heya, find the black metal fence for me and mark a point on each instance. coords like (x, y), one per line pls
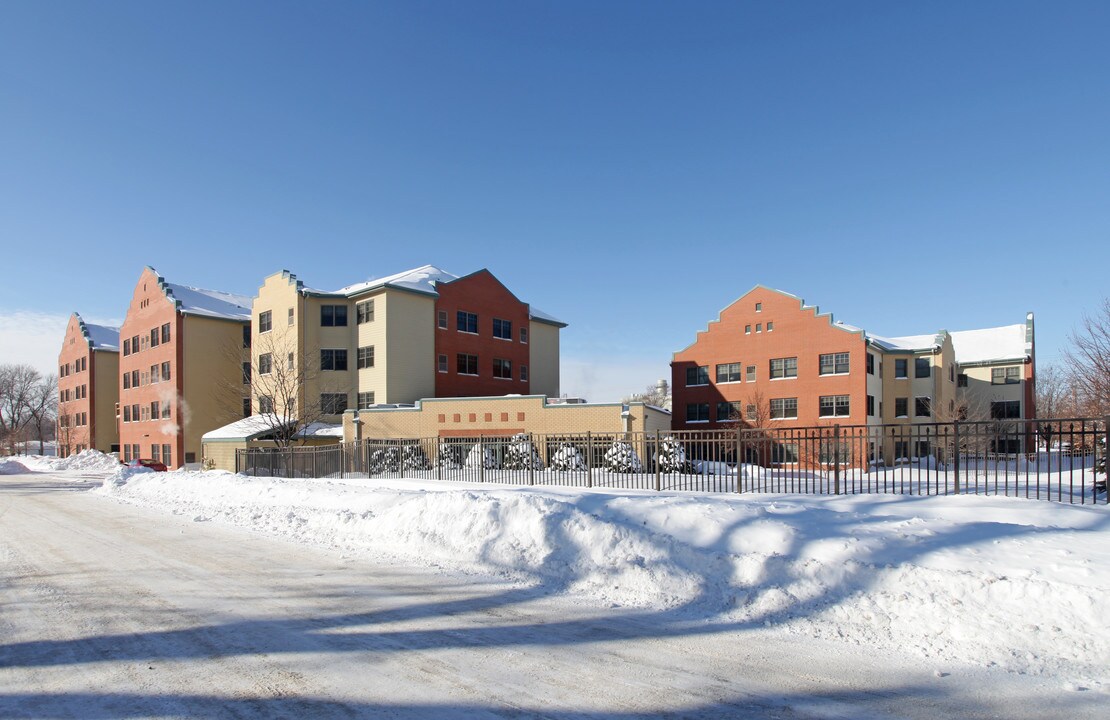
(1056, 460)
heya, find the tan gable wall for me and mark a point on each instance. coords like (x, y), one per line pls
(410, 345)
(543, 358)
(212, 389)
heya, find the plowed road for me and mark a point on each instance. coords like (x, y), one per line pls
(113, 611)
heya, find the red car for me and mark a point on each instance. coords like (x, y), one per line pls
(152, 464)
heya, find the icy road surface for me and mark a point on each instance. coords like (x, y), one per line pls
(110, 610)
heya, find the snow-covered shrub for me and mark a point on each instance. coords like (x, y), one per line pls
(481, 457)
(413, 458)
(671, 457)
(521, 454)
(567, 458)
(622, 458)
(448, 457)
(382, 460)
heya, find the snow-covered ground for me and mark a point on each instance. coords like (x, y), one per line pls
(954, 581)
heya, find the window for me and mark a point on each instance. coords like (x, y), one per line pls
(265, 404)
(922, 368)
(134, 343)
(784, 409)
(747, 329)
(1005, 376)
(901, 368)
(134, 378)
(127, 346)
(870, 405)
(751, 411)
(1006, 410)
(951, 373)
(289, 362)
(524, 336)
(166, 459)
(922, 407)
(190, 458)
(870, 364)
(442, 363)
(729, 372)
(154, 337)
(155, 373)
(126, 382)
(366, 357)
(784, 453)
(901, 407)
(759, 307)
(503, 369)
(247, 336)
(333, 359)
(166, 370)
(697, 376)
(166, 410)
(127, 413)
(155, 410)
(165, 332)
(834, 406)
(466, 364)
(265, 323)
(961, 380)
(156, 452)
(697, 412)
(524, 373)
(759, 327)
(834, 364)
(246, 373)
(365, 400)
(290, 316)
(265, 364)
(728, 411)
(365, 312)
(750, 373)
(502, 329)
(442, 319)
(784, 368)
(246, 407)
(333, 316)
(466, 322)
(835, 453)
(770, 326)
(333, 403)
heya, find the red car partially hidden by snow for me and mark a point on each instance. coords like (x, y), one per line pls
(152, 464)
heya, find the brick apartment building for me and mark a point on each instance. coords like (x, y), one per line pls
(422, 333)
(770, 360)
(88, 388)
(180, 368)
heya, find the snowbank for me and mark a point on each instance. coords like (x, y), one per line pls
(986, 580)
(86, 461)
(11, 466)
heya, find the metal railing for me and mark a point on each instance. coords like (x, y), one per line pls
(1048, 460)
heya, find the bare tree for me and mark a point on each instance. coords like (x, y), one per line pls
(658, 395)
(276, 378)
(43, 406)
(17, 384)
(1088, 362)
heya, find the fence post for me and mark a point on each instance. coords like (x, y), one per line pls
(956, 461)
(440, 450)
(589, 459)
(836, 459)
(481, 459)
(658, 481)
(739, 459)
(1105, 458)
(532, 460)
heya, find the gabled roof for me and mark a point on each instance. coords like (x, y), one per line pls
(997, 344)
(206, 303)
(422, 279)
(99, 337)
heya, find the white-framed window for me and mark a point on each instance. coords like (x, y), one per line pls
(365, 400)
(784, 368)
(749, 373)
(364, 312)
(442, 363)
(784, 408)
(524, 336)
(901, 368)
(265, 364)
(697, 412)
(265, 404)
(834, 363)
(834, 406)
(466, 322)
(333, 359)
(366, 357)
(502, 329)
(265, 321)
(728, 372)
(502, 369)
(442, 320)
(333, 316)
(524, 373)
(1005, 375)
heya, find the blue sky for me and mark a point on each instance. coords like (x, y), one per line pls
(631, 168)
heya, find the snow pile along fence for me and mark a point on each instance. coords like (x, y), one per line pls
(1058, 460)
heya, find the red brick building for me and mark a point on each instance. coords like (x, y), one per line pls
(88, 389)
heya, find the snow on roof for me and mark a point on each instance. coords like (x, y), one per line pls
(906, 342)
(541, 316)
(990, 344)
(421, 279)
(101, 337)
(209, 303)
(256, 426)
